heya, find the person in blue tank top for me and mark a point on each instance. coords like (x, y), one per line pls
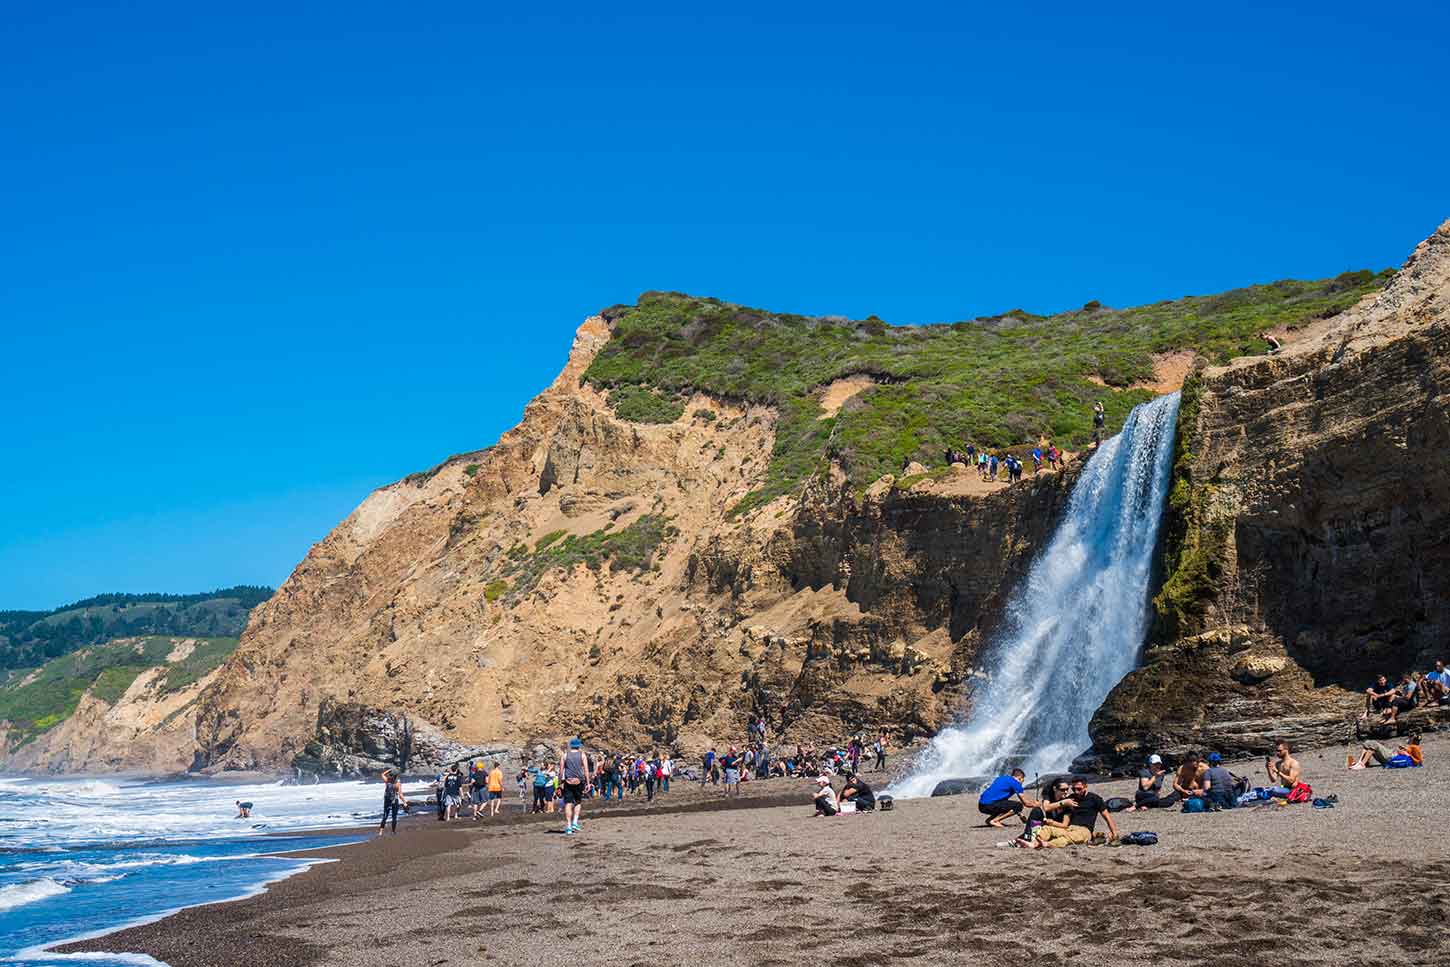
(996, 801)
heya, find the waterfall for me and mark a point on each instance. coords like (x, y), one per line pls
(1074, 626)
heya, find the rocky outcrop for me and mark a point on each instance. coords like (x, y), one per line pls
(1308, 540)
(587, 574)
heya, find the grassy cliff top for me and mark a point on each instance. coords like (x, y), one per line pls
(41, 699)
(1000, 381)
(29, 639)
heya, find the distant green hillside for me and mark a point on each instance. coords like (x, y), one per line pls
(29, 639)
(1001, 381)
(43, 698)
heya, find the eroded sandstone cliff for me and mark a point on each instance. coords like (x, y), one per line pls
(587, 574)
(1309, 545)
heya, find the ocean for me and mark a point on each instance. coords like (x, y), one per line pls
(80, 857)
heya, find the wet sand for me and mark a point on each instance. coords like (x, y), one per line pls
(763, 882)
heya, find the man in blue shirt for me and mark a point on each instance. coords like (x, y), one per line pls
(996, 802)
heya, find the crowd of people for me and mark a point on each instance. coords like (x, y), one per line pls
(992, 465)
(1387, 702)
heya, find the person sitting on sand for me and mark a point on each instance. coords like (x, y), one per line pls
(856, 792)
(1220, 789)
(1283, 769)
(1052, 808)
(1188, 781)
(1150, 786)
(1408, 754)
(996, 802)
(1084, 808)
(244, 810)
(825, 797)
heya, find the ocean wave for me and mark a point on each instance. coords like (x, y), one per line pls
(19, 894)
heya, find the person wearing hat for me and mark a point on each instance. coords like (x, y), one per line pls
(575, 768)
(1150, 786)
(1219, 784)
(825, 798)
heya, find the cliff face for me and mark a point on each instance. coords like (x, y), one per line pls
(1308, 543)
(586, 574)
(125, 706)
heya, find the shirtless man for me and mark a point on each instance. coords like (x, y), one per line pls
(1283, 768)
(1188, 782)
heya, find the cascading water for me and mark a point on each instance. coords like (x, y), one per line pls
(1075, 624)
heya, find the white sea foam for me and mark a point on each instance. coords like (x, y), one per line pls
(32, 891)
(1074, 626)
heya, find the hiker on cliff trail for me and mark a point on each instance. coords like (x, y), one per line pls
(1272, 340)
(1099, 418)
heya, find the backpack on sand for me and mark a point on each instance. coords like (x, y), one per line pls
(885, 803)
(1117, 804)
(1300, 793)
(1142, 838)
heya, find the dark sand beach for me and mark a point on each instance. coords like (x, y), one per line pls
(762, 883)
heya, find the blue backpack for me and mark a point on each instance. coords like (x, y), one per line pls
(1195, 804)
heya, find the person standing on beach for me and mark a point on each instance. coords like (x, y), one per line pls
(667, 769)
(495, 788)
(452, 792)
(730, 766)
(574, 772)
(881, 752)
(392, 800)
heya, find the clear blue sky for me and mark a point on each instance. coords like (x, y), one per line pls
(258, 261)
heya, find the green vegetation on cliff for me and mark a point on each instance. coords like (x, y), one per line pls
(629, 549)
(45, 697)
(29, 639)
(1000, 381)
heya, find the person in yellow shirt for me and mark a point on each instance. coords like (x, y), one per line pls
(495, 789)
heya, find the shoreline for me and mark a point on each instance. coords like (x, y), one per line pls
(925, 881)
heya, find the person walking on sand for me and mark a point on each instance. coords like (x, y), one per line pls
(495, 788)
(574, 772)
(880, 750)
(392, 800)
(452, 793)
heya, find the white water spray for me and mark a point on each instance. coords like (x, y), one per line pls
(1074, 626)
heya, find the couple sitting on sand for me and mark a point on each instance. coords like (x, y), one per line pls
(1067, 815)
(855, 791)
